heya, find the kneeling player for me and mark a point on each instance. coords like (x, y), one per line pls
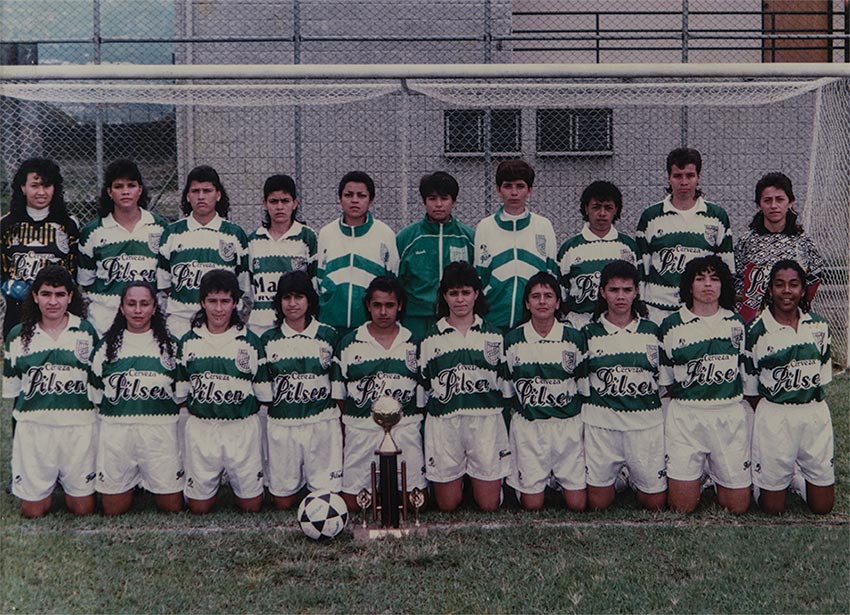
(46, 372)
(304, 434)
(546, 434)
(623, 425)
(219, 360)
(788, 364)
(132, 382)
(462, 365)
(702, 357)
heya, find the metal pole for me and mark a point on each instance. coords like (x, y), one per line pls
(98, 117)
(596, 17)
(488, 154)
(846, 32)
(683, 112)
(296, 59)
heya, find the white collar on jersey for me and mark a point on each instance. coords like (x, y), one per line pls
(110, 222)
(667, 206)
(555, 333)
(688, 316)
(214, 224)
(772, 326)
(443, 324)
(363, 335)
(610, 327)
(591, 236)
(309, 331)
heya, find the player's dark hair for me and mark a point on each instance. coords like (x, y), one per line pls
(218, 281)
(295, 283)
(50, 175)
(120, 169)
(706, 264)
(601, 191)
(50, 275)
(358, 177)
(787, 263)
(440, 183)
(514, 170)
(541, 278)
(386, 284)
(623, 270)
(682, 157)
(115, 335)
(201, 174)
(457, 275)
(279, 183)
(781, 182)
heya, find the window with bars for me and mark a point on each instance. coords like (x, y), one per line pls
(575, 132)
(464, 132)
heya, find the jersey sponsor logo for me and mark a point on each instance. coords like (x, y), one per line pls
(460, 380)
(458, 254)
(652, 354)
(82, 350)
(711, 232)
(796, 376)
(264, 288)
(62, 241)
(153, 241)
(188, 275)
(536, 392)
(375, 386)
(167, 361)
(294, 388)
(674, 259)
(28, 264)
(819, 337)
(622, 380)
(485, 254)
(568, 360)
(505, 452)
(410, 360)
(226, 249)
(243, 360)
(128, 267)
(326, 354)
(708, 370)
(131, 386)
(540, 243)
(492, 352)
(206, 390)
(736, 336)
(587, 285)
(52, 379)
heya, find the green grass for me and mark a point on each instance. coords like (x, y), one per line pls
(625, 560)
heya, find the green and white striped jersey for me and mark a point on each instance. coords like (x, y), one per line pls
(463, 374)
(581, 260)
(138, 385)
(49, 379)
(188, 251)
(270, 258)
(668, 239)
(702, 358)
(111, 256)
(786, 366)
(222, 376)
(299, 372)
(620, 383)
(364, 371)
(544, 370)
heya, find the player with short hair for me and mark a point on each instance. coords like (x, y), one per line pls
(788, 365)
(678, 229)
(222, 378)
(462, 367)
(582, 257)
(45, 370)
(352, 251)
(202, 241)
(121, 245)
(543, 357)
(375, 360)
(702, 359)
(623, 422)
(512, 245)
(282, 243)
(427, 246)
(304, 435)
(131, 381)
(774, 234)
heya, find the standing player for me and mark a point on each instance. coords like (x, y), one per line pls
(427, 246)
(512, 245)
(45, 370)
(352, 251)
(463, 369)
(582, 257)
(702, 358)
(36, 232)
(221, 379)
(375, 360)
(282, 243)
(788, 352)
(132, 382)
(774, 234)
(121, 245)
(623, 425)
(200, 242)
(677, 230)
(542, 356)
(304, 434)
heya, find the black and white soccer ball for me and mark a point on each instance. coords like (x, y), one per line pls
(322, 515)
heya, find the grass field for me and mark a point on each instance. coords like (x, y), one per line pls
(625, 560)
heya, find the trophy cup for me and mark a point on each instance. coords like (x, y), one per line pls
(385, 498)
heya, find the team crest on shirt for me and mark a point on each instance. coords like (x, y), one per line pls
(457, 253)
(385, 253)
(299, 263)
(325, 356)
(652, 354)
(626, 255)
(255, 264)
(167, 361)
(568, 360)
(540, 243)
(819, 337)
(710, 232)
(410, 360)
(485, 254)
(153, 242)
(226, 249)
(82, 350)
(736, 335)
(62, 241)
(492, 351)
(243, 361)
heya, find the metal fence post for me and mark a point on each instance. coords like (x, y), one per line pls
(683, 112)
(98, 120)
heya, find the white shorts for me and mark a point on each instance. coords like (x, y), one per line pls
(131, 454)
(718, 436)
(642, 451)
(359, 453)
(304, 454)
(41, 454)
(543, 448)
(783, 435)
(461, 444)
(213, 447)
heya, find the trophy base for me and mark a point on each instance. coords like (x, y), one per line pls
(372, 533)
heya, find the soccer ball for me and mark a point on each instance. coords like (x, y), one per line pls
(322, 515)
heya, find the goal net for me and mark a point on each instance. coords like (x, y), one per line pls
(572, 130)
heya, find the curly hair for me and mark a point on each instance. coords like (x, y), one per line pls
(623, 270)
(115, 335)
(787, 263)
(50, 175)
(51, 275)
(705, 264)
